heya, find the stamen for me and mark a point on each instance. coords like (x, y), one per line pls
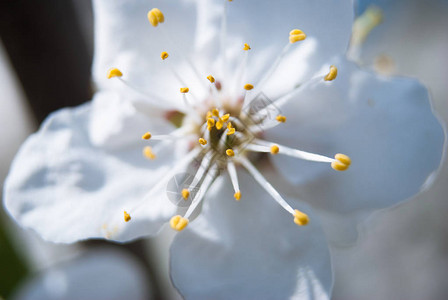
(264, 146)
(215, 112)
(230, 152)
(185, 194)
(246, 47)
(211, 78)
(275, 149)
(113, 72)
(234, 178)
(202, 141)
(148, 153)
(208, 181)
(152, 99)
(219, 124)
(146, 136)
(332, 74)
(248, 87)
(300, 218)
(127, 217)
(280, 118)
(164, 55)
(225, 118)
(184, 90)
(155, 16)
(210, 123)
(266, 185)
(178, 223)
(296, 35)
(341, 163)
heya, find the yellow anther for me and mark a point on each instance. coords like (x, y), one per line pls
(211, 78)
(296, 35)
(248, 87)
(184, 90)
(146, 136)
(229, 125)
(127, 217)
(114, 72)
(185, 194)
(230, 131)
(300, 218)
(332, 74)
(225, 118)
(155, 16)
(164, 55)
(230, 152)
(202, 141)
(147, 152)
(237, 196)
(210, 122)
(275, 149)
(219, 124)
(341, 163)
(280, 118)
(215, 112)
(178, 223)
(209, 115)
(246, 47)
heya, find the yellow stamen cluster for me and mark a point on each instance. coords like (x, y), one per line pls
(185, 194)
(300, 218)
(296, 35)
(275, 149)
(341, 163)
(147, 152)
(230, 152)
(178, 223)
(237, 196)
(127, 217)
(155, 16)
(146, 136)
(280, 118)
(211, 78)
(332, 74)
(202, 141)
(248, 87)
(184, 90)
(246, 47)
(113, 72)
(164, 55)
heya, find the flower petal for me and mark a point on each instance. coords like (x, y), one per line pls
(67, 189)
(265, 26)
(387, 127)
(250, 249)
(99, 274)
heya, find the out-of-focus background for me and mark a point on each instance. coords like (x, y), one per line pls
(45, 58)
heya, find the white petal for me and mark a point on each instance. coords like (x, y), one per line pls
(250, 249)
(120, 121)
(100, 274)
(387, 127)
(67, 189)
(265, 26)
(125, 39)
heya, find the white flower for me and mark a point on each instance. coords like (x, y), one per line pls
(75, 177)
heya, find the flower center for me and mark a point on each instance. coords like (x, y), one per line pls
(223, 135)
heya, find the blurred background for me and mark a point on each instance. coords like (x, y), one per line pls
(45, 58)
